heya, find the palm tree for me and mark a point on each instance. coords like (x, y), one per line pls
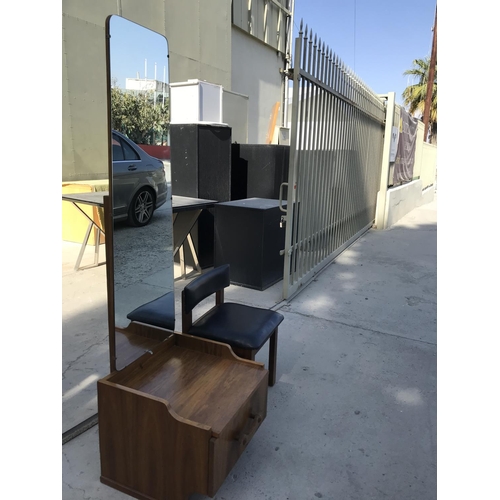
(414, 95)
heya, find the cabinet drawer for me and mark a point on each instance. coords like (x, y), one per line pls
(225, 449)
(175, 422)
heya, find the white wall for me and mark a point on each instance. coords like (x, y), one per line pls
(403, 199)
(235, 114)
(255, 73)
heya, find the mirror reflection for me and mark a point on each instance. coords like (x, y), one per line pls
(142, 195)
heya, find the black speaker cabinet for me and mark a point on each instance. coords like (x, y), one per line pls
(200, 157)
(258, 170)
(249, 238)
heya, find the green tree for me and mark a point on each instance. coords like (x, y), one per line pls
(414, 95)
(138, 117)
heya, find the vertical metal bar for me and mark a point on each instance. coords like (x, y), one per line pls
(371, 153)
(361, 195)
(292, 180)
(312, 226)
(358, 165)
(357, 173)
(337, 164)
(343, 159)
(97, 244)
(327, 157)
(340, 187)
(330, 159)
(374, 154)
(266, 30)
(302, 124)
(308, 146)
(249, 17)
(313, 171)
(354, 162)
(325, 119)
(351, 160)
(367, 188)
(278, 30)
(302, 164)
(320, 200)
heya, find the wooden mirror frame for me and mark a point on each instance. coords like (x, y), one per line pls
(142, 336)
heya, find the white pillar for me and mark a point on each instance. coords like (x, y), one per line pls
(381, 213)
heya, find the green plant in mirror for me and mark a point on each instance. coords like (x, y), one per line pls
(139, 117)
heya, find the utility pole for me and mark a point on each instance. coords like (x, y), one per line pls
(430, 79)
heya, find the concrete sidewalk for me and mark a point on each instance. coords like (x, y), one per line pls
(353, 412)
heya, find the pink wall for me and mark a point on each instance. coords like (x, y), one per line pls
(160, 152)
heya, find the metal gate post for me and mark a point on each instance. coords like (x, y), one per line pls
(293, 166)
(381, 215)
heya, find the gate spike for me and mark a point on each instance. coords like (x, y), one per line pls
(301, 24)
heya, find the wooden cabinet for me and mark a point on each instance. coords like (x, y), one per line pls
(176, 420)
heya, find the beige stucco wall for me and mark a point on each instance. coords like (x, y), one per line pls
(199, 37)
(256, 73)
(402, 200)
(417, 166)
(429, 164)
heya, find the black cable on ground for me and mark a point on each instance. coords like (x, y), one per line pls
(80, 428)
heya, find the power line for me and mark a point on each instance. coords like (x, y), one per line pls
(354, 68)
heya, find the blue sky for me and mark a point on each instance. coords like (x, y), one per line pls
(135, 49)
(378, 40)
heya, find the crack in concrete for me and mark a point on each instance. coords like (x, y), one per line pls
(70, 365)
(370, 330)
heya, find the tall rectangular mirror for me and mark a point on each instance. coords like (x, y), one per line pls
(140, 186)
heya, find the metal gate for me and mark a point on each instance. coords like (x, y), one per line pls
(336, 142)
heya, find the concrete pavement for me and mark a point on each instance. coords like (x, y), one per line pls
(353, 412)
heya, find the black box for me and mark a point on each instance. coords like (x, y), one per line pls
(249, 238)
(200, 163)
(257, 170)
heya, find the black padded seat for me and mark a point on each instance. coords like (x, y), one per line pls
(236, 324)
(159, 312)
(245, 328)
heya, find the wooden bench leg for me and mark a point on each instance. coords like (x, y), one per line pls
(273, 351)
